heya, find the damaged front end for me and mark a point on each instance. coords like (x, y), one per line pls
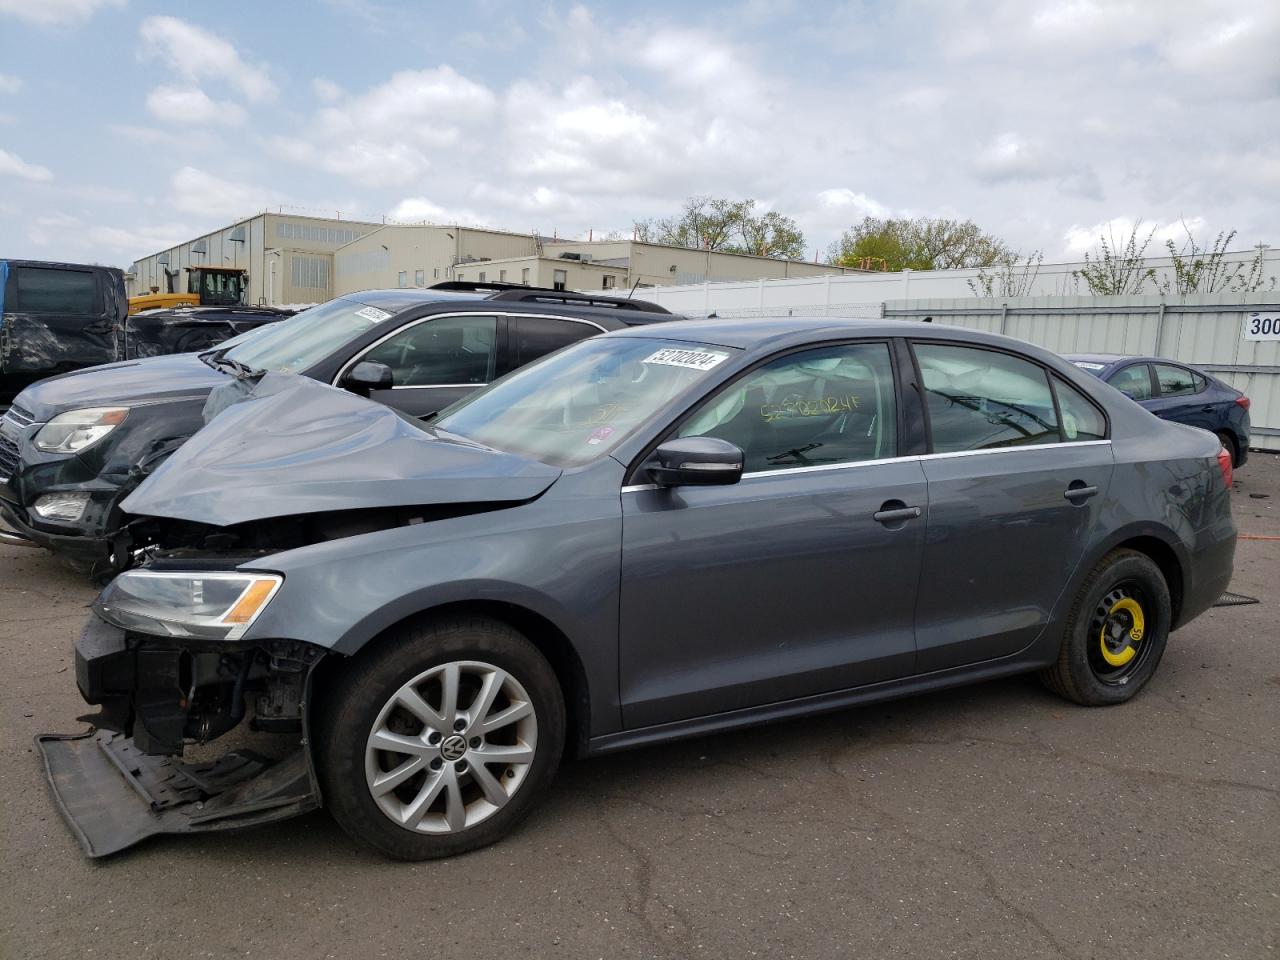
(162, 656)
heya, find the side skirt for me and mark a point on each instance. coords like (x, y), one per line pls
(1022, 662)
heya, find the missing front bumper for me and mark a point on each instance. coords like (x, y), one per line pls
(112, 795)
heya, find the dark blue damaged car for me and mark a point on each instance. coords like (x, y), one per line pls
(655, 533)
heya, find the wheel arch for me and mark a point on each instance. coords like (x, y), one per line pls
(541, 631)
(1161, 546)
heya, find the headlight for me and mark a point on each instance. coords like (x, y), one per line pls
(71, 432)
(211, 605)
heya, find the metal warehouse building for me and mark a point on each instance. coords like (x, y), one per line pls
(289, 258)
(300, 260)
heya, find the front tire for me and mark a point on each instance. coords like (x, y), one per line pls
(441, 739)
(1116, 632)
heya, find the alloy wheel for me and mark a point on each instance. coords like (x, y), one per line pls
(451, 747)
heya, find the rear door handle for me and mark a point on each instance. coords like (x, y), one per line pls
(896, 514)
(1079, 492)
(1207, 408)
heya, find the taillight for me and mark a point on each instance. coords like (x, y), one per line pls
(1242, 401)
(1224, 464)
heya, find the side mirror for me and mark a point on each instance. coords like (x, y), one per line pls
(367, 376)
(696, 461)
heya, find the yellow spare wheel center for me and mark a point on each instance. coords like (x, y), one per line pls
(1117, 643)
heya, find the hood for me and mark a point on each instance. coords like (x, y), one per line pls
(297, 446)
(127, 383)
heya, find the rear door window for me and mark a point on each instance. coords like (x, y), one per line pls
(1175, 381)
(45, 290)
(981, 399)
(449, 351)
(534, 337)
(1133, 381)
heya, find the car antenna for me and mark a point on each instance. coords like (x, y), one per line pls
(633, 288)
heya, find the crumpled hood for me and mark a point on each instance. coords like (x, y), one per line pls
(126, 383)
(298, 446)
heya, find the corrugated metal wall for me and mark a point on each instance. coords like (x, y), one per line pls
(1204, 330)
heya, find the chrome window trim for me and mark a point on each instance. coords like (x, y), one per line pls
(443, 316)
(917, 458)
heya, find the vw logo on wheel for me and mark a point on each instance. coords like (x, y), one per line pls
(453, 748)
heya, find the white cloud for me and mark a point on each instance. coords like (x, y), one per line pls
(1117, 231)
(55, 12)
(195, 54)
(326, 90)
(10, 83)
(420, 209)
(198, 192)
(183, 105)
(14, 166)
(386, 135)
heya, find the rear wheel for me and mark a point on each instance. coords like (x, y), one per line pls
(441, 740)
(1229, 444)
(1115, 633)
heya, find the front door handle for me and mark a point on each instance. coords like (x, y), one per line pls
(1077, 492)
(895, 512)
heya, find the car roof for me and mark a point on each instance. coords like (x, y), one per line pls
(1114, 358)
(745, 333)
(609, 312)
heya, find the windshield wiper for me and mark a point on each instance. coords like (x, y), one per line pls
(237, 369)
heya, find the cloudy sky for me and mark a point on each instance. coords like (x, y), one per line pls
(127, 125)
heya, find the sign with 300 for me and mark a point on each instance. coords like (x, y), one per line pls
(1262, 326)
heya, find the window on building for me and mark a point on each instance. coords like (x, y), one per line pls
(524, 275)
(502, 276)
(980, 399)
(403, 278)
(451, 350)
(609, 281)
(560, 279)
(831, 405)
(435, 273)
(310, 273)
(46, 290)
(482, 276)
(419, 278)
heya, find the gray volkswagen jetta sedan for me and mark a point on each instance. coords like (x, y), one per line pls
(651, 534)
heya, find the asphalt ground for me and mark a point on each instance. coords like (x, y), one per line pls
(990, 821)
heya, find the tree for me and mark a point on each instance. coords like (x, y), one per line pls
(920, 243)
(1012, 277)
(1206, 270)
(1118, 269)
(730, 226)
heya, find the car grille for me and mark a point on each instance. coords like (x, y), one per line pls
(18, 416)
(8, 457)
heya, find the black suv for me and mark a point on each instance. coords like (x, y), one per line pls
(56, 317)
(73, 446)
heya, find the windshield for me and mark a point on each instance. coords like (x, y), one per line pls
(303, 340)
(577, 405)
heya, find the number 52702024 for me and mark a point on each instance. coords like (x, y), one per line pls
(1262, 326)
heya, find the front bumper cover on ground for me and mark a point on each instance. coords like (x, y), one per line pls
(112, 795)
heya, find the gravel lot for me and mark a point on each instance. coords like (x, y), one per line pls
(989, 821)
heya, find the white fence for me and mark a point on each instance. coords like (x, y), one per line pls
(727, 299)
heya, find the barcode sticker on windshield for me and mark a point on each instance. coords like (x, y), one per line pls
(373, 314)
(694, 359)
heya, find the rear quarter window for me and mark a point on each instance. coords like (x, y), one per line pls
(45, 290)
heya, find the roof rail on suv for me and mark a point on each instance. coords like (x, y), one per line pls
(520, 293)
